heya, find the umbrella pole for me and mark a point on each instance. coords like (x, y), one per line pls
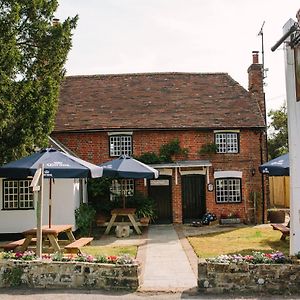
(50, 203)
(123, 192)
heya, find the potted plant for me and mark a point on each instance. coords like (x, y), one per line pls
(145, 207)
(231, 218)
(276, 215)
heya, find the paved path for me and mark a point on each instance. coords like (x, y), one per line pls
(166, 266)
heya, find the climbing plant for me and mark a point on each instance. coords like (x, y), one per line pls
(166, 152)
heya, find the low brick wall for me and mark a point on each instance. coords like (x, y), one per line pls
(43, 274)
(248, 278)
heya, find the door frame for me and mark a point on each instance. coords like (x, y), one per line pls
(165, 177)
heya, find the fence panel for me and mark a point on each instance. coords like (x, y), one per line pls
(279, 191)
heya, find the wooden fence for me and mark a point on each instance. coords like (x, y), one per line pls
(279, 191)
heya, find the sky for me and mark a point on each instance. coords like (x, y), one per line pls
(199, 36)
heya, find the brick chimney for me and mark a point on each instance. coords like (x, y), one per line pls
(256, 82)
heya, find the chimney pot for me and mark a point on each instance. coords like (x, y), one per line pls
(255, 57)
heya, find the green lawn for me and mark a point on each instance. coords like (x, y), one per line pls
(107, 251)
(240, 240)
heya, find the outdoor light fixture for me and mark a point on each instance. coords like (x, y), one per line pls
(210, 187)
(253, 171)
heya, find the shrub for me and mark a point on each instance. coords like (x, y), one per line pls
(84, 216)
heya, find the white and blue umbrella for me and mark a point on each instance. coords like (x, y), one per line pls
(57, 164)
(278, 166)
(128, 167)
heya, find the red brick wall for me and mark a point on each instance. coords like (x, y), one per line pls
(94, 147)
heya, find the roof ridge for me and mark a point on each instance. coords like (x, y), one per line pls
(145, 73)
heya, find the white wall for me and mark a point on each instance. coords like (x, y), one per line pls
(65, 199)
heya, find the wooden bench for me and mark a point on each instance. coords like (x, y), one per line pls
(123, 223)
(283, 229)
(14, 244)
(74, 247)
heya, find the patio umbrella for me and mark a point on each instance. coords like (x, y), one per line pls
(128, 167)
(56, 165)
(278, 166)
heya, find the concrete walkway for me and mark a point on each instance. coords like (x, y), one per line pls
(166, 266)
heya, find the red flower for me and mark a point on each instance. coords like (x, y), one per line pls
(112, 258)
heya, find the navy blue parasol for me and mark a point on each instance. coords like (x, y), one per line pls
(278, 166)
(128, 167)
(56, 165)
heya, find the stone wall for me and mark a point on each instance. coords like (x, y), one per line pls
(248, 278)
(43, 274)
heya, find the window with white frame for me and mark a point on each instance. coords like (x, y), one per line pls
(228, 190)
(227, 142)
(118, 188)
(17, 194)
(120, 144)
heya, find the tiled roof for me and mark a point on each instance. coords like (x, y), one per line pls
(155, 100)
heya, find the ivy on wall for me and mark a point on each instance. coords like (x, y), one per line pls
(166, 152)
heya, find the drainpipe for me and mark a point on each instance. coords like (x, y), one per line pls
(262, 177)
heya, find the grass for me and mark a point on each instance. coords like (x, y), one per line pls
(107, 250)
(240, 240)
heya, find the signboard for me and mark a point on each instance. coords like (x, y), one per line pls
(159, 182)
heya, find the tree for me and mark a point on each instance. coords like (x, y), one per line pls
(33, 51)
(278, 136)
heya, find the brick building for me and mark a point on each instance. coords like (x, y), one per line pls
(102, 116)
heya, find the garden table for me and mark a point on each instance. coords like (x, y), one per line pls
(124, 212)
(51, 234)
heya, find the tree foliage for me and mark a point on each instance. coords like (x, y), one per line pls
(278, 132)
(33, 51)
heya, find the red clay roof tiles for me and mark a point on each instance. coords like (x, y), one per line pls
(155, 101)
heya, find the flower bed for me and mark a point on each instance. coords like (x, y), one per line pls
(271, 273)
(61, 271)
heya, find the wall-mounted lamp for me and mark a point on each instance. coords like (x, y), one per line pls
(210, 187)
(253, 171)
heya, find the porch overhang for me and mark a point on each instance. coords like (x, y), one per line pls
(185, 167)
(183, 164)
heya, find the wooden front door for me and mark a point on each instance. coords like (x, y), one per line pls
(160, 190)
(193, 197)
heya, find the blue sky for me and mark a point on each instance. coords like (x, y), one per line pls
(133, 36)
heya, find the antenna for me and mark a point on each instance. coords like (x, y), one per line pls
(261, 33)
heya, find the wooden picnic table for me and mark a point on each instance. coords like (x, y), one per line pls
(51, 234)
(123, 212)
(51, 237)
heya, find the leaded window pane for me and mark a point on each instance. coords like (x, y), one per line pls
(227, 142)
(120, 145)
(228, 190)
(17, 194)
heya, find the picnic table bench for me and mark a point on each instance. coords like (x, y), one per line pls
(50, 240)
(285, 230)
(75, 246)
(14, 244)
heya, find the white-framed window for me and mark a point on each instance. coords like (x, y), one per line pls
(228, 190)
(125, 186)
(17, 194)
(227, 142)
(120, 144)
